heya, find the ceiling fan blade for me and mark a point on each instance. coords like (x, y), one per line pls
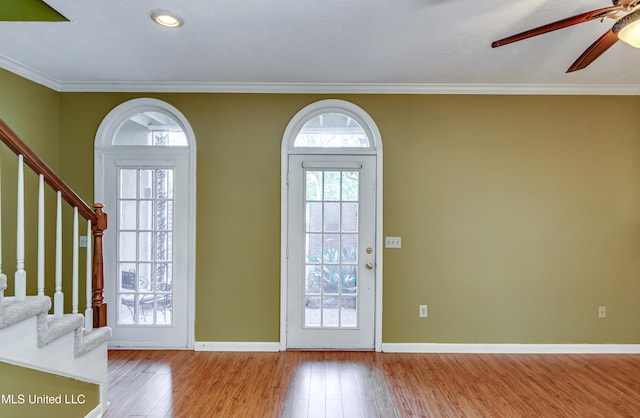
(596, 49)
(570, 21)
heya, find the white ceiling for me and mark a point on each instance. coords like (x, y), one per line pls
(317, 45)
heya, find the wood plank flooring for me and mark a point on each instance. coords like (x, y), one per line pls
(298, 384)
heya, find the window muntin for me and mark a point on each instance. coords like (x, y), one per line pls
(331, 248)
(145, 246)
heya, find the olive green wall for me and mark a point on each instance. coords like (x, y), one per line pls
(519, 219)
(519, 214)
(33, 112)
(30, 393)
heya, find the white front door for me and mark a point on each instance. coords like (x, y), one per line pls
(146, 267)
(331, 252)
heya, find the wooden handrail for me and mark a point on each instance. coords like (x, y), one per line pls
(15, 144)
(96, 215)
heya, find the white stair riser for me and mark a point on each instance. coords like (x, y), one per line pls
(20, 346)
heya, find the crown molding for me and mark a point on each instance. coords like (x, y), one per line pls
(29, 73)
(359, 88)
(317, 88)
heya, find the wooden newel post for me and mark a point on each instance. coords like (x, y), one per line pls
(97, 300)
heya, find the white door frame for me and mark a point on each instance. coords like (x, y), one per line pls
(103, 143)
(294, 126)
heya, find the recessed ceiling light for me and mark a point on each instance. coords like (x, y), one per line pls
(166, 19)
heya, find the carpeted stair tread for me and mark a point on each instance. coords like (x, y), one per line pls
(86, 342)
(12, 311)
(50, 328)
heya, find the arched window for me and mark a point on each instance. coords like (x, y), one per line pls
(150, 128)
(332, 130)
(332, 127)
(145, 123)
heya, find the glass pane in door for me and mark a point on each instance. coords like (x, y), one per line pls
(331, 248)
(145, 240)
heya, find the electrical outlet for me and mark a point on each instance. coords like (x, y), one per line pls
(602, 312)
(83, 241)
(422, 311)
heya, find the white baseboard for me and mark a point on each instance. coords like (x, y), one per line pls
(442, 348)
(511, 348)
(236, 346)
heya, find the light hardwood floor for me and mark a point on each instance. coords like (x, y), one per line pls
(365, 384)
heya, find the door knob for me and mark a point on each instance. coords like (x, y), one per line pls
(369, 266)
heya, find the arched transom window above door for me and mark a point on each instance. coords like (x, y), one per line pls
(150, 128)
(332, 130)
(332, 127)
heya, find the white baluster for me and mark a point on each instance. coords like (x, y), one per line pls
(41, 236)
(74, 266)
(21, 275)
(58, 297)
(88, 313)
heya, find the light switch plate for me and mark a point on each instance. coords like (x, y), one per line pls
(393, 242)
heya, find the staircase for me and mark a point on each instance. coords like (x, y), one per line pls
(68, 344)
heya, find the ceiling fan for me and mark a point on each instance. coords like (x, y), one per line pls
(627, 29)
